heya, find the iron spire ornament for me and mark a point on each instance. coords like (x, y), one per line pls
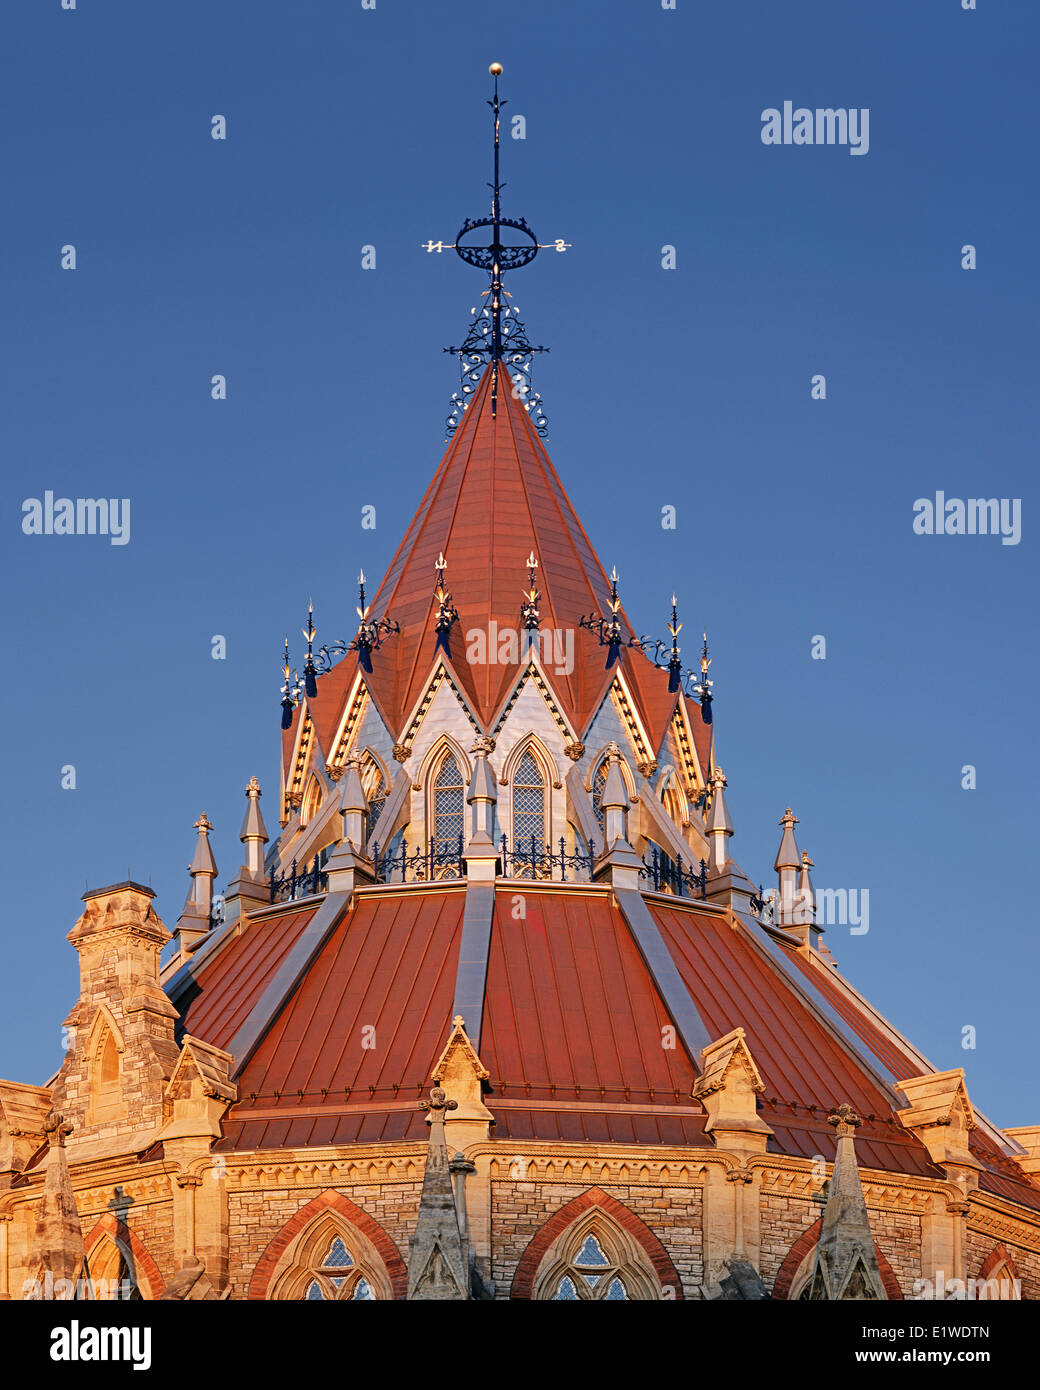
(679, 678)
(529, 613)
(292, 689)
(447, 615)
(310, 681)
(368, 639)
(703, 689)
(609, 629)
(496, 335)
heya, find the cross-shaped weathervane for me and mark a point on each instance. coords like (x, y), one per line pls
(496, 335)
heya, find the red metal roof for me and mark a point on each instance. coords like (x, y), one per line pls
(572, 1032)
(572, 1018)
(494, 499)
(388, 965)
(228, 986)
(805, 1068)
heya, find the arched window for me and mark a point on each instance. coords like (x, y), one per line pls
(332, 1263)
(338, 1278)
(449, 806)
(674, 803)
(313, 796)
(110, 1271)
(528, 806)
(106, 1094)
(594, 1260)
(374, 784)
(599, 782)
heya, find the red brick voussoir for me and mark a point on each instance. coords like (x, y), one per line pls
(145, 1270)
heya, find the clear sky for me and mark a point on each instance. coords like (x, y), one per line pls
(690, 387)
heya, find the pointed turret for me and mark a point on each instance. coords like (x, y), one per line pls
(350, 863)
(438, 1263)
(787, 864)
(248, 890)
(619, 859)
(482, 796)
(846, 1267)
(193, 925)
(720, 826)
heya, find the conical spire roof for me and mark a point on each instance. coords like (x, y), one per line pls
(494, 500)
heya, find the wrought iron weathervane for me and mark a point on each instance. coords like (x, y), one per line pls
(497, 334)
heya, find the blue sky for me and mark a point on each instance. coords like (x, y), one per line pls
(691, 387)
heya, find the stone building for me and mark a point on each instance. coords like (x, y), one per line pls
(496, 1014)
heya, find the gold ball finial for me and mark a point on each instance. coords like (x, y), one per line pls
(495, 69)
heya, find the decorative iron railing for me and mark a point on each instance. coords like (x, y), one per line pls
(539, 862)
(289, 886)
(667, 875)
(441, 859)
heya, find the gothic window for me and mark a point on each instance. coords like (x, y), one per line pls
(594, 1260)
(312, 799)
(375, 788)
(449, 806)
(674, 803)
(529, 820)
(106, 1095)
(111, 1273)
(331, 1267)
(599, 782)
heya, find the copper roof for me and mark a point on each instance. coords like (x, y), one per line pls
(572, 1030)
(494, 500)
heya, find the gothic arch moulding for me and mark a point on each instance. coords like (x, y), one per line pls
(284, 1269)
(600, 760)
(645, 1264)
(790, 1277)
(1000, 1268)
(672, 795)
(141, 1267)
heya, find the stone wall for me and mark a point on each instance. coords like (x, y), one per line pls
(520, 1209)
(256, 1218)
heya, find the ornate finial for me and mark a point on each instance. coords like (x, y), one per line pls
(438, 1103)
(845, 1120)
(807, 863)
(674, 664)
(608, 629)
(310, 682)
(458, 1021)
(529, 614)
(496, 334)
(56, 1128)
(789, 818)
(718, 778)
(447, 615)
(253, 788)
(703, 689)
(371, 631)
(369, 638)
(203, 823)
(292, 688)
